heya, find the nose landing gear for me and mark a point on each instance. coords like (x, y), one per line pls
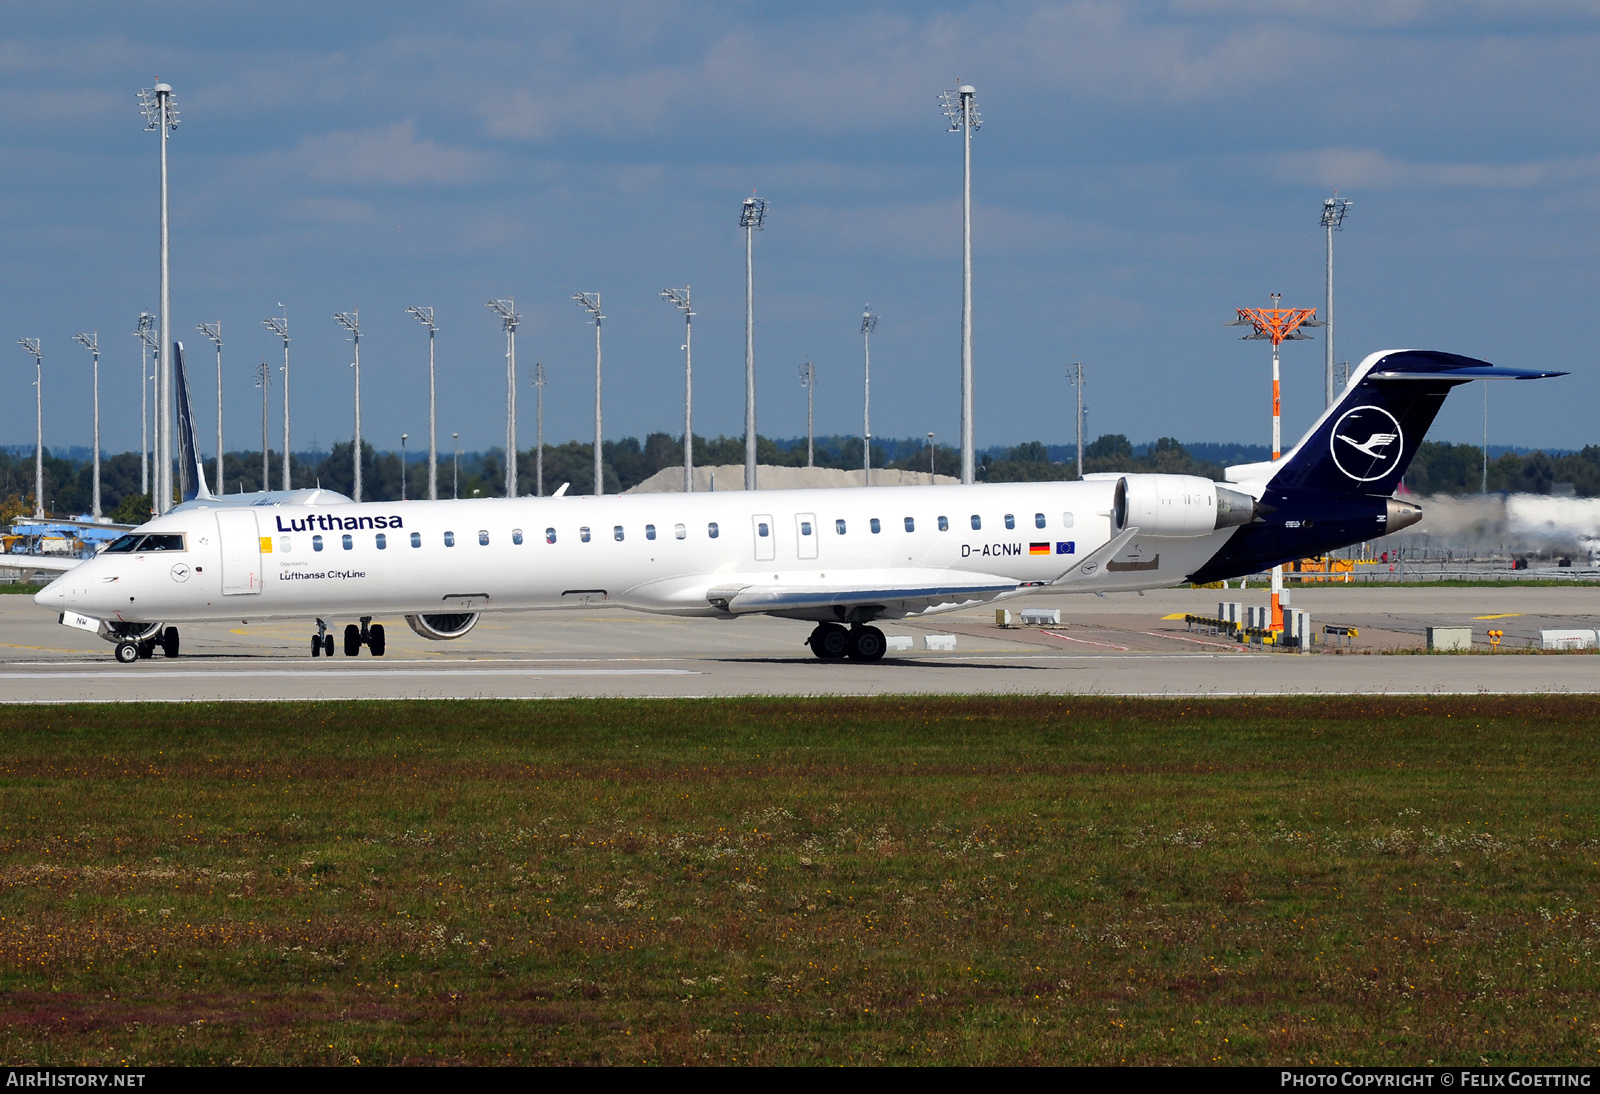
(322, 641)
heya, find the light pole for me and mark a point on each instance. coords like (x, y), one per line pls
(403, 467)
(808, 380)
(930, 460)
(31, 346)
(1076, 380)
(425, 317)
(752, 218)
(351, 321)
(507, 311)
(537, 380)
(455, 481)
(279, 325)
(680, 300)
(91, 342)
(161, 114)
(1333, 210)
(961, 108)
(213, 331)
(264, 381)
(590, 302)
(146, 335)
(869, 323)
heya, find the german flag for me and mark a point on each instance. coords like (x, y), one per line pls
(1038, 548)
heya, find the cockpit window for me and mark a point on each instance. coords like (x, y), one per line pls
(123, 543)
(161, 543)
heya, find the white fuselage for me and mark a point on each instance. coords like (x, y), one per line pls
(653, 552)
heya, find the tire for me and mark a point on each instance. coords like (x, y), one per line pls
(327, 644)
(147, 649)
(829, 641)
(375, 639)
(867, 644)
(352, 640)
(169, 642)
(127, 653)
(316, 645)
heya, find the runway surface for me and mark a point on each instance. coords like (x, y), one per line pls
(1117, 645)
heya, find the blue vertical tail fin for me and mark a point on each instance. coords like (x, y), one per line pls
(191, 475)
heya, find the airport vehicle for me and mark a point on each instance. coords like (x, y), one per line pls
(839, 559)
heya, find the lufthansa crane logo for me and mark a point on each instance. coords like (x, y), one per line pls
(1366, 443)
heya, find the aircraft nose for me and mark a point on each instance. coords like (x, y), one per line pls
(51, 596)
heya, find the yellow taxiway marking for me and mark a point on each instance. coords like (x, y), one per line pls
(1506, 615)
(1176, 615)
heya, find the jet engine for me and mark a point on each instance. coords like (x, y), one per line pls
(440, 628)
(1178, 506)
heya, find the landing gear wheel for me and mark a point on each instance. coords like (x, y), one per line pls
(375, 639)
(147, 649)
(829, 641)
(169, 642)
(327, 644)
(316, 645)
(127, 652)
(352, 640)
(867, 644)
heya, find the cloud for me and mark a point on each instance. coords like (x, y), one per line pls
(1372, 169)
(331, 211)
(394, 156)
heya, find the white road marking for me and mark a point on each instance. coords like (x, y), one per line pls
(303, 674)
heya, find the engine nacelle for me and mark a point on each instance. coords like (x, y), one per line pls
(1177, 506)
(441, 628)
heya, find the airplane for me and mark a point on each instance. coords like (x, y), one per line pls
(838, 559)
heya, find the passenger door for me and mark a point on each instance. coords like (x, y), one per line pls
(805, 534)
(766, 539)
(241, 552)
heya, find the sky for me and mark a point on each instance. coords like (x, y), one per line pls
(1143, 169)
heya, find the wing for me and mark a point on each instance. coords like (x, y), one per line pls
(887, 593)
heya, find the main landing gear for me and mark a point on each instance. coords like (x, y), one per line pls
(130, 650)
(831, 641)
(368, 634)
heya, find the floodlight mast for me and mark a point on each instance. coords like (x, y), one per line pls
(425, 317)
(509, 319)
(403, 437)
(680, 300)
(1333, 210)
(161, 114)
(351, 321)
(536, 378)
(31, 347)
(145, 333)
(455, 481)
(91, 342)
(1075, 378)
(808, 380)
(869, 323)
(960, 106)
(279, 325)
(213, 331)
(264, 381)
(752, 218)
(590, 302)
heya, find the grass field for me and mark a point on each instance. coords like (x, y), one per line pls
(783, 881)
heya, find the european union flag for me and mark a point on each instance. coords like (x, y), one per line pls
(1067, 548)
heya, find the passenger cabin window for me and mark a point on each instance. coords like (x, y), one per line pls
(1011, 521)
(483, 537)
(679, 532)
(1066, 520)
(711, 529)
(416, 539)
(549, 535)
(944, 524)
(583, 533)
(911, 525)
(649, 531)
(449, 539)
(382, 541)
(1038, 520)
(316, 543)
(977, 522)
(761, 529)
(838, 527)
(875, 526)
(616, 533)
(347, 542)
(283, 544)
(516, 536)
(805, 528)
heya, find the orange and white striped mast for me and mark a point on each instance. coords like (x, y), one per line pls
(1277, 325)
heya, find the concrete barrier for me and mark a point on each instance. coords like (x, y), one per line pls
(1567, 640)
(897, 641)
(1042, 616)
(1450, 638)
(939, 641)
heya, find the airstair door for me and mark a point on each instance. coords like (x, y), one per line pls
(241, 551)
(805, 534)
(766, 537)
